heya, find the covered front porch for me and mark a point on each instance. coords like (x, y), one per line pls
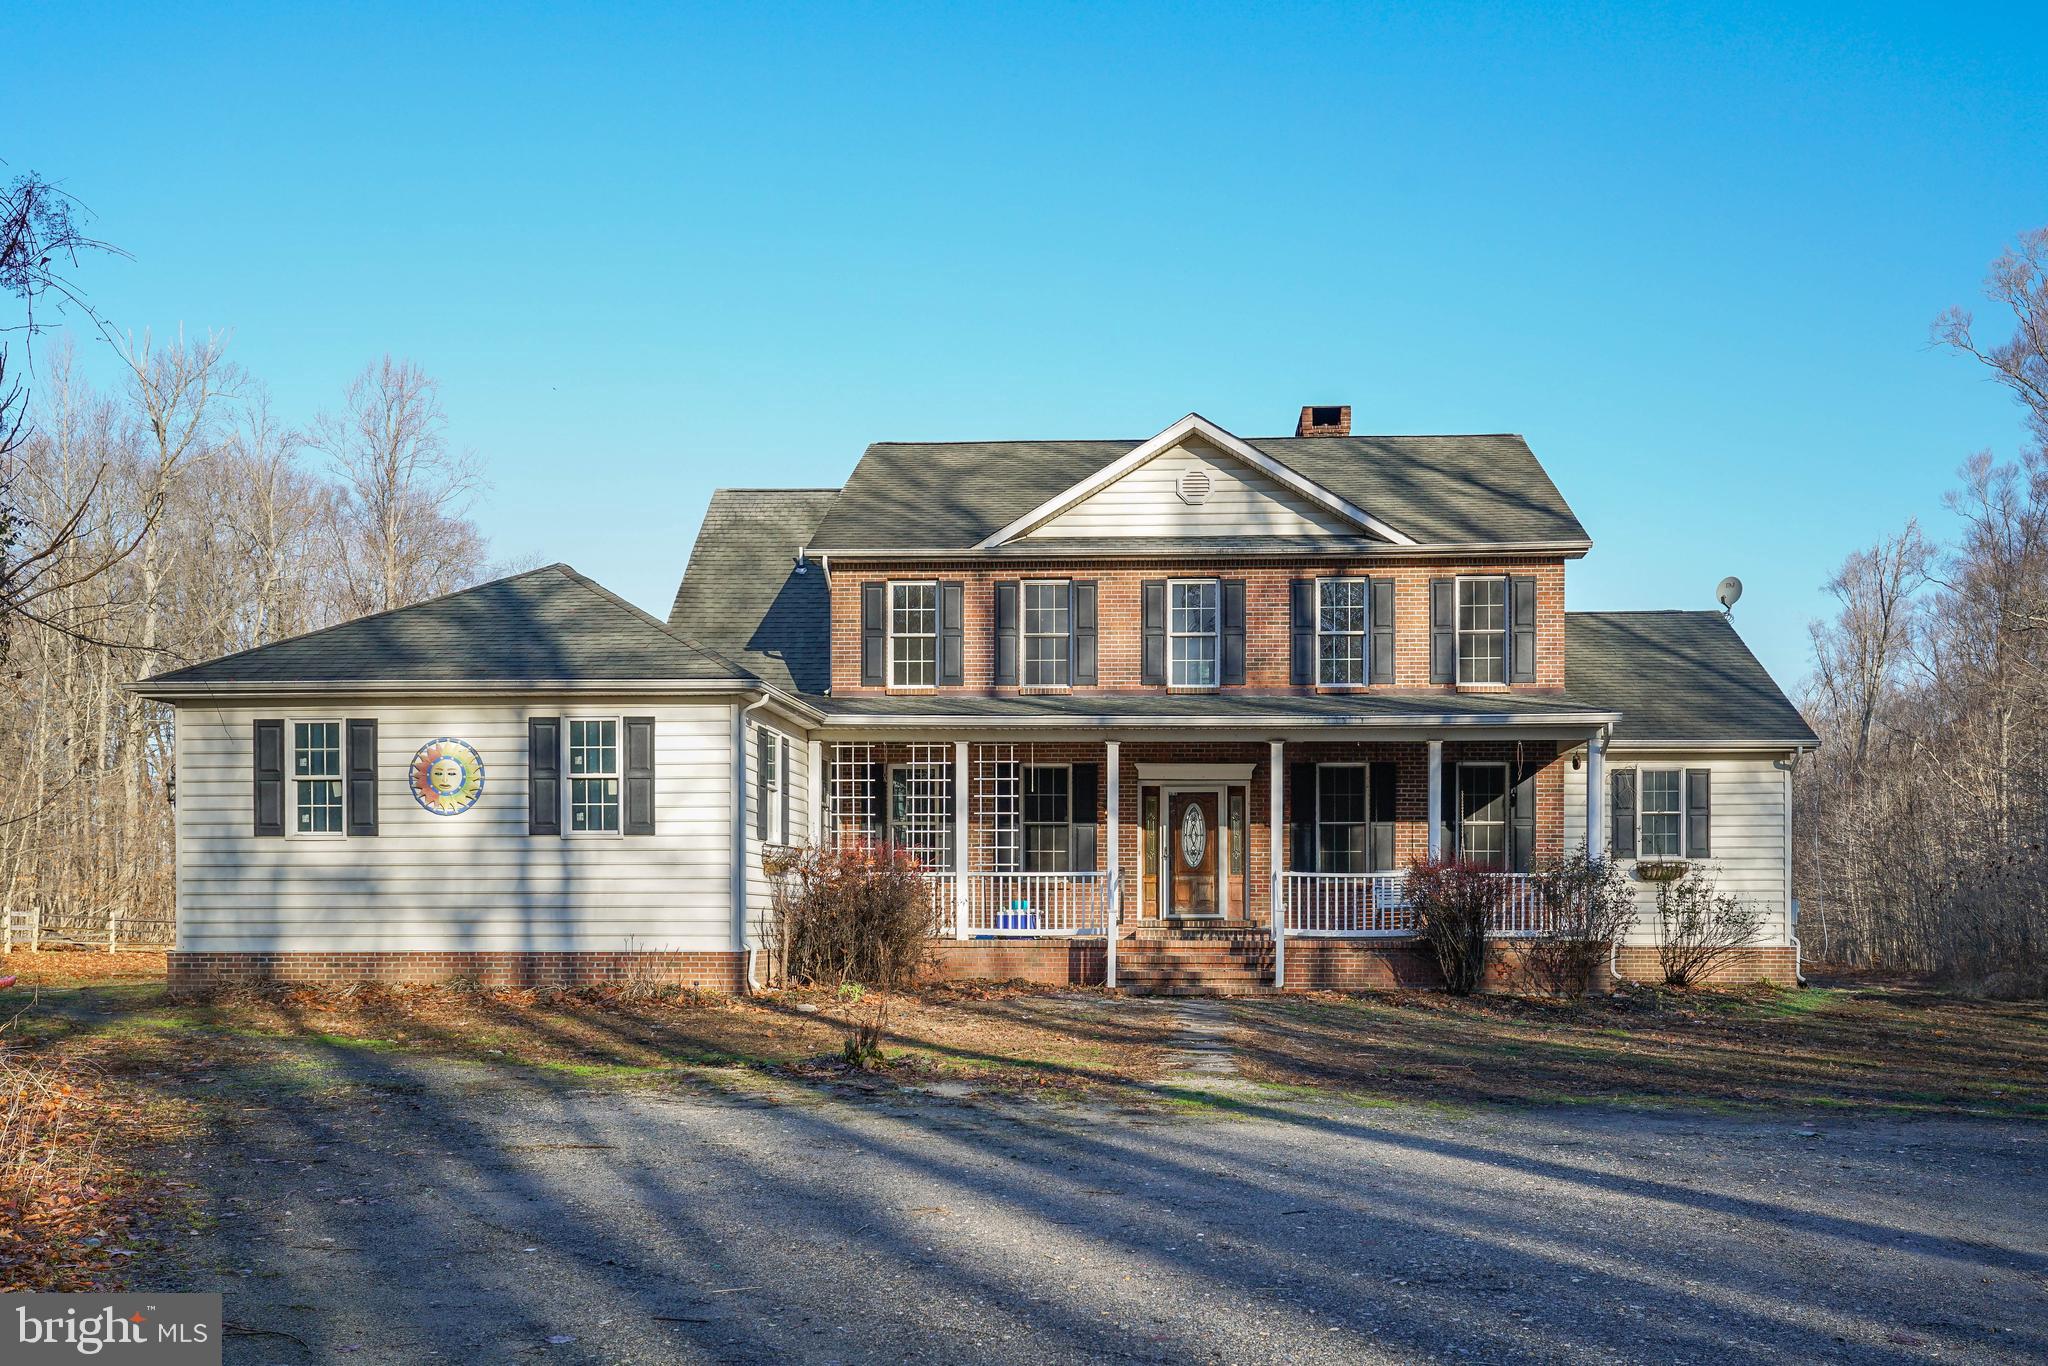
(1134, 839)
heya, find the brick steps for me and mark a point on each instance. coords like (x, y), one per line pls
(1218, 959)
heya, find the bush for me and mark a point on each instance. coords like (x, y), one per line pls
(1698, 928)
(850, 915)
(1588, 904)
(1454, 906)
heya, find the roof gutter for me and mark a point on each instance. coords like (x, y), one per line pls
(704, 688)
(1274, 721)
(1021, 549)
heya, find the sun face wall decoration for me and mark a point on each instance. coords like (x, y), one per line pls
(447, 777)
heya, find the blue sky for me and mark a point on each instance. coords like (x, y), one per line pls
(652, 251)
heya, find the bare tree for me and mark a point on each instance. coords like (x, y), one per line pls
(404, 522)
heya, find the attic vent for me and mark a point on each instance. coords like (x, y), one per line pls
(1193, 486)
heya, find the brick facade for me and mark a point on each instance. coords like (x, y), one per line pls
(192, 971)
(1268, 612)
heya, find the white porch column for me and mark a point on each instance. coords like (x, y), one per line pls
(814, 783)
(1436, 800)
(1116, 858)
(1596, 793)
(1276, 911)
(961, 806)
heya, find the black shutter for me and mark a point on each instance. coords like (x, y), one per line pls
(1521, 643)
(268, 773)
(1006, 635)
(1621, 813)
(764, 755)
(1232, 593)
(1153, 592)
(952, 634)
(1382, 646)
(788, 782)
(1302, 615)
(1301, 817)
(1081, 817)
(1380, 850)
(874, 634)
(1522, 818)
(362, 777)
(639, 815)
(1447, 814)
(1699, 815)
(1443, 630)
(544, 775)
(1081, 625)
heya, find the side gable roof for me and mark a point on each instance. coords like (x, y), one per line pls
(742, 596)
(1677, 677)
(548, 625)
(1438, 490)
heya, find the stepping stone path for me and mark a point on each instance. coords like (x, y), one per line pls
(1202, 1054)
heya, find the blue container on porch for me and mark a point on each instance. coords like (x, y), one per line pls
(1020, 916)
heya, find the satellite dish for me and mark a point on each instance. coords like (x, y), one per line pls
(1729, 591)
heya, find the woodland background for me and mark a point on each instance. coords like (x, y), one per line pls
(175, 516)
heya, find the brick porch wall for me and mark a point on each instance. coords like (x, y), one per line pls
(196, 971)
(1046, 962)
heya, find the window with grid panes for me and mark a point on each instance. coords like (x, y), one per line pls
(316, 777)
(1192, 621)
(1048, 811)
(913, 635)
(594, 776)
(1341, 631)
(1046, 641)
(1482, 630)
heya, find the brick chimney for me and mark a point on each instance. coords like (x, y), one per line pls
(1319, 421)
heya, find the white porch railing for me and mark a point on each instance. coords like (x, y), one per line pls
(1020, 905)
(1365, 905)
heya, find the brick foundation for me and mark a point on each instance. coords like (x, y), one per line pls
(192, 971)
(1047, 962)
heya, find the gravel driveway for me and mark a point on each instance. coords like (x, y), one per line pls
(436, 1211)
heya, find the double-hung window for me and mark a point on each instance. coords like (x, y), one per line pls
(594, 776)
(1342, 619)
(1193, 619)
(1048, 811)
(913, 635)
(1483, 814)
(316, 778)
(1482, 630)
(1663, 813)
(1341, 845)
(772, 756)
(1048, 653)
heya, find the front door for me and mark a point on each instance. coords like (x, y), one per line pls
(1193, 842)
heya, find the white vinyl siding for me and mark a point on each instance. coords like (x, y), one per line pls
(1242, 501)
(474, 881)
(1750, 829)
(796, 772)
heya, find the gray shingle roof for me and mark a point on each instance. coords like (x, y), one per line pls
(1439, 490)
(1676, 676)
(548, 624)
(742, 596)
(1165, 708)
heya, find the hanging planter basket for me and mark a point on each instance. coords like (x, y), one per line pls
(1662, 870)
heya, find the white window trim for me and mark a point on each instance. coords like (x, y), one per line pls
(1215, 636)
(1684, 854)
(889, 635)
(765, 737)
(1025, 635)
(1458, 631)
(291, 764)
(1024, 823)
(1507, 815)
(1364, 634)
(569, 830)
(1365, 780)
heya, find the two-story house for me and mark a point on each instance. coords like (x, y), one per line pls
(1170, 712)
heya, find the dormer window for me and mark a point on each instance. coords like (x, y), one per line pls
(1193, 618)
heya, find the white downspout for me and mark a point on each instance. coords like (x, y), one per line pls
(739, 837)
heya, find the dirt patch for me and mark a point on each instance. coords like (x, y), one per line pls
(1881, 1046)
(35, 968)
